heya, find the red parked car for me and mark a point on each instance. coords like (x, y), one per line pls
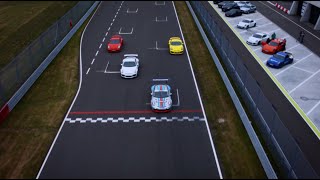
(115, 43)
(274, 46)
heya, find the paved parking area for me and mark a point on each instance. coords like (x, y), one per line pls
(301, 79)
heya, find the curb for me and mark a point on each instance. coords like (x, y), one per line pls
(282, 8)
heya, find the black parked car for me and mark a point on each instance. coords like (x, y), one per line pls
(229, 6)
(224, 3)
(233, 13)
(216, 2)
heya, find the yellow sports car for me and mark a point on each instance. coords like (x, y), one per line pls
(175, 45)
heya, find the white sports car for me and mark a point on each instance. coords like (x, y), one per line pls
(246, 23)
(161, 98)
(257, 38)
(129, 66)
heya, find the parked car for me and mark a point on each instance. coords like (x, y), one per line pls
(243, 3)
(246, 9)
(230, 6)
(280, 59)
(257, 38)
(224, 3)
(246, 23)
(115, 43)
(129, 66)
(274, 46)
(216, 2)
(233, 13)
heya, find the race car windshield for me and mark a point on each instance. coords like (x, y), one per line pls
(278, 57)
(129, 64)
(245, 21)
(175, 43)
(273, 43)
(114, 41)
(161, 94)
(257, 36)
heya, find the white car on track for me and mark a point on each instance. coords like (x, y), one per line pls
(257, 38)
(130, 66)
(161, 100)
(246, 23)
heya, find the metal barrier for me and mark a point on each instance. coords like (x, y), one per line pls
(244, 118)
(20, 74)
(279, 141)
(14, 74)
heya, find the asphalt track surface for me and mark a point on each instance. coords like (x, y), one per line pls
(90, 145)
(292, 27)
(300, 131)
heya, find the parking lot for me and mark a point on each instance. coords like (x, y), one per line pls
(301, 79)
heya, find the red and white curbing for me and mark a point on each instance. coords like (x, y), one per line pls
(282, 8)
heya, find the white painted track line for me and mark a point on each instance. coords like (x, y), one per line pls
(195, 82)
(291, 21)
(80, 71)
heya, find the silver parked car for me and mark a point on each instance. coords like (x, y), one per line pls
(246, 9)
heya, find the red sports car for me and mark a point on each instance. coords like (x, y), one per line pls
(115, 43)
(274, 46)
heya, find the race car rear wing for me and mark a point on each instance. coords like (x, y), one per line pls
(166, 80)
(130, 55)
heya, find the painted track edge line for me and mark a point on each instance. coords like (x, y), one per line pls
(195, 82)
(80, 83)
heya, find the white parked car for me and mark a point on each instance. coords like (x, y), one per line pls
(257, 38)
(243, 3)
(129, 66)
(246, 23)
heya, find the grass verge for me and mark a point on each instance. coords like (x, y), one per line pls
(27, 134)
(236, 154)
(18, 20)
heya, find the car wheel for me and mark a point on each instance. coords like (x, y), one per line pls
(259, 43)
(254, 25)
(247, 27)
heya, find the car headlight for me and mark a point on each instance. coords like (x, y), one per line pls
(108, 47)
(119, 46)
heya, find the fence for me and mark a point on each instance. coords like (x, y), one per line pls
(279, 141)
(13, 75)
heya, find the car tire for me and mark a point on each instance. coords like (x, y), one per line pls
(247, 27)
(259, 43)
(254, 25)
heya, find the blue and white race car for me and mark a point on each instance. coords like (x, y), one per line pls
(161, 100)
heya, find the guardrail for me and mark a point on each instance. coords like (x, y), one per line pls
(244, 118)
(283, 147)
(77, 14)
